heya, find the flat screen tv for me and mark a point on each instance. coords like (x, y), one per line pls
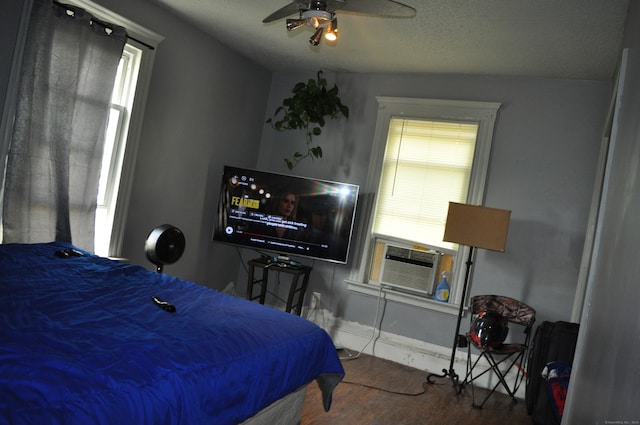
(284, 214)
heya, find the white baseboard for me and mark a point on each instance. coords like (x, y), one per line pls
(406, 351)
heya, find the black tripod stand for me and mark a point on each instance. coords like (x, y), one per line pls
(458, 340)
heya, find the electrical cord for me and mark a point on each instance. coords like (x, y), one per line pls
(377, 331)
(375, 328)
(274, 295)
(244, 266)
(387, 391)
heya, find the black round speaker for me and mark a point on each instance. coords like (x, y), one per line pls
(165, 245)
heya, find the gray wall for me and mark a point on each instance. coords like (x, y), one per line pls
(606, 373)
(546, 143)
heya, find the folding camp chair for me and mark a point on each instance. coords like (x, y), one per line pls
(501, 357)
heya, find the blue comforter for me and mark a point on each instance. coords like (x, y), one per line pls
(81, 342)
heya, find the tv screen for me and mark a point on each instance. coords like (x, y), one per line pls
(285, 214)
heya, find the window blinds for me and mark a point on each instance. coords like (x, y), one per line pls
(426, 165)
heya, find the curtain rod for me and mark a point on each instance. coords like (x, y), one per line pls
(147, 45)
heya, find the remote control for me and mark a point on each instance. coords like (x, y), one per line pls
(68, 253)
(164, 305)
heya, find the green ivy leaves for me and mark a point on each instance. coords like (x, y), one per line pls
(311, 104)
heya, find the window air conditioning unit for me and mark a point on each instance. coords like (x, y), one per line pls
(410, 269)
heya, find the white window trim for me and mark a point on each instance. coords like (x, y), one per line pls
(484, 113)
(148, 41)
(131, 152)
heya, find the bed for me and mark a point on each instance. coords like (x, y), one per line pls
(83, 341)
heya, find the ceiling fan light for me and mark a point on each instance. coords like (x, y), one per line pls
(332, 31)
(295, 23)
(313, 22)
(316, 37)
(319, 17)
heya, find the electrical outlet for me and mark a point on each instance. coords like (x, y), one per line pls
(315, 301)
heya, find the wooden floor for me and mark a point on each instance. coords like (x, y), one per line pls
(406, 400)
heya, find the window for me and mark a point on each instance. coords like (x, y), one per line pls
(426, 164)
(426, 153)
(114, 146)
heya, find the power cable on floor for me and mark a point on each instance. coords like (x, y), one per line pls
(373, 334)
(385, 390)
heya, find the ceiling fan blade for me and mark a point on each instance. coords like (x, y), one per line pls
(380, 8)
(288, 10)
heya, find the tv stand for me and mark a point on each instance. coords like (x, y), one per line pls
(297, 286)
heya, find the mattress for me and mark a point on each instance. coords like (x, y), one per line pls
(82, 341)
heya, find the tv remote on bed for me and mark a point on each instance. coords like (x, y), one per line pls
(164, 305)
(68, 253)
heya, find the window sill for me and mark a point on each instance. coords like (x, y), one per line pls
(374, 288)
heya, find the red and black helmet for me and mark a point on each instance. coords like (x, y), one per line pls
(489, 329)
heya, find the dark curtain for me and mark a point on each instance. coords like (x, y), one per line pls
(53, 165)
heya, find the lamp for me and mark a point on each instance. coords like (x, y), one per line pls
(295, 23)
(476, 227)
(316, 37)
(332, 30)
(318, 20)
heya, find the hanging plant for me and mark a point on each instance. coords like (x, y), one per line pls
(309, 107)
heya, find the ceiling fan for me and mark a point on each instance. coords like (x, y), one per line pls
(321, 14)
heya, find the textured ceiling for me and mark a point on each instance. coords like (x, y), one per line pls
(532, 38)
